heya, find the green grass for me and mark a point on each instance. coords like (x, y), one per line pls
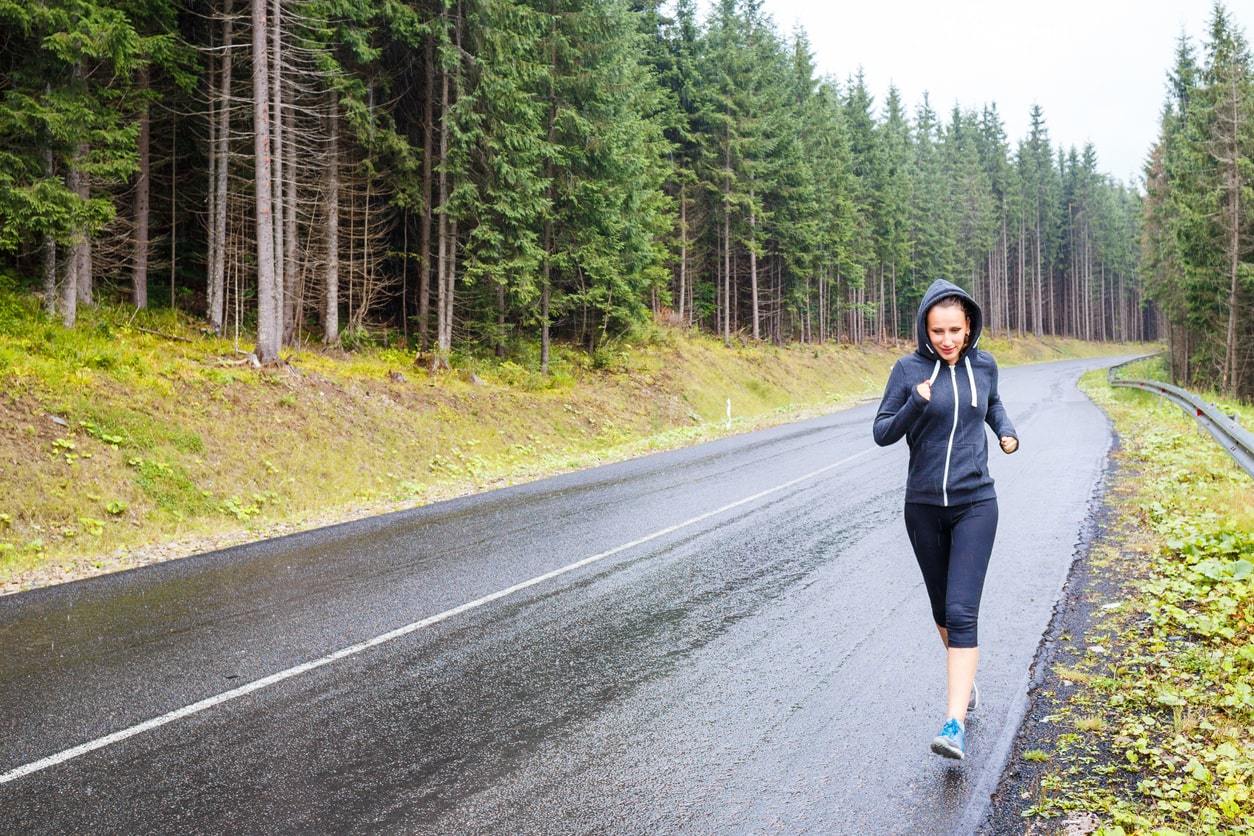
(137, 428)
(1156, 736)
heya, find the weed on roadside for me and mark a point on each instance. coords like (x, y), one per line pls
(1155, 734)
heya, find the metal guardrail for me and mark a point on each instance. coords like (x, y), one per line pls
(1238, 441)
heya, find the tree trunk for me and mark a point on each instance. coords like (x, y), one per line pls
(683, 252)
(544, 297)
(727, 245)
(50, 248)
(268, 335)
(212, 252)
(405, 274)
(546, 278)
(82, 247)
(753, 267)
(69, 288)
(821, 281)
(450, 295)
(139, 267)
(174, 204)
(1038, 313)
(896, 323)
(1230, 379)
(331, 281)
(424, 227)
(442, 232)
(277, 148)
(500, 319)
(217, 279)
(295, 290)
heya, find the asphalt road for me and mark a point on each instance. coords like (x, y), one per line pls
(763, 661)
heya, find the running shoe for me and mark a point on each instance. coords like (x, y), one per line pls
(974, 702)
(951, 741)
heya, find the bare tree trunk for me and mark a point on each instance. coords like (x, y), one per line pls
(1005, 276)
(268, 334)
(174, 204)
(880, 316)
(82, 247)
(683, 250)
(500, 319)
(50, 245)
(217, 279)
(726, 273)
(546, 277)
(544, 296)
(753, 267)
(277, 147)
(451, 275)
(405, 274)
(820, 314)
(1023, 283)
(1230, 379)
(450, 294)
(294, 293)
(718, 280)
(896, 323)
(69, 288)
(331, 281)
(1038, 314)
(424, 229)
(139, 267)
(727, 243)
(442, 232)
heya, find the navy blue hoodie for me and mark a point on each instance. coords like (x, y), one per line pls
(948, 444)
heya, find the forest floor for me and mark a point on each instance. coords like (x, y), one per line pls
(137, 437)
(1141, 710)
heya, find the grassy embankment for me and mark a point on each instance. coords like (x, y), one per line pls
(119, 446)
(1153, 713)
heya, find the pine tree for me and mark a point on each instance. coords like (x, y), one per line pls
(894, 239)
(64, 129)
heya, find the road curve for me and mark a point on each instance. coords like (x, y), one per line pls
(748, 650)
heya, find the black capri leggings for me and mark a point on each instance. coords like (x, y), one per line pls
(952, 546)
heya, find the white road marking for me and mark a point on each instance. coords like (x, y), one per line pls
(274, 678)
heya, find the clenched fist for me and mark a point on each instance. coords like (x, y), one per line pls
(925, 390)
(1009, 443)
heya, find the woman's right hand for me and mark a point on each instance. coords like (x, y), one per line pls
(925, 390)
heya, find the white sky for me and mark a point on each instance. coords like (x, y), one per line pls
(1096, 67)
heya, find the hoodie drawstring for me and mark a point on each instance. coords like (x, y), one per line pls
(971, 380)
(935, 372)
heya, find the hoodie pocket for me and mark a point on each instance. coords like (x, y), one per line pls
(927, 468)
(968, 469)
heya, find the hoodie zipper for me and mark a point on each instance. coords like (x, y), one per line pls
(953, 378)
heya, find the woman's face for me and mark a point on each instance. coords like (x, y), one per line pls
(947, 329)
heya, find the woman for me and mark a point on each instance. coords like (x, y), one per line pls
(939, 398)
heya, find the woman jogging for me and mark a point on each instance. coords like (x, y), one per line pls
(939, 397)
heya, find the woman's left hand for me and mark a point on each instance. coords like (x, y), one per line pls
(1009, 443)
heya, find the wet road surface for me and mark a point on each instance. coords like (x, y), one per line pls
(770, 667)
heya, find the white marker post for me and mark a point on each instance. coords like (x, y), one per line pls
(729, 413)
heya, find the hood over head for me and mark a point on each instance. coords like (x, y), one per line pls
(936, 291)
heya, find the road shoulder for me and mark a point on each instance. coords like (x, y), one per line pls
(1140, 714)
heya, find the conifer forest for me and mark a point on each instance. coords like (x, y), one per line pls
(469, 174)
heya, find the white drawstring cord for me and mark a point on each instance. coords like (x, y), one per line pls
(935, 372)
(971, 380)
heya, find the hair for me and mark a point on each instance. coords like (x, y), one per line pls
(953, 300)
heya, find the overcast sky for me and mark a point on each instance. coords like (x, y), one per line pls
(1096, 67)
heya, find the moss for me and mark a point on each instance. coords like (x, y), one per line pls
(171, 489)
(138, 430)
